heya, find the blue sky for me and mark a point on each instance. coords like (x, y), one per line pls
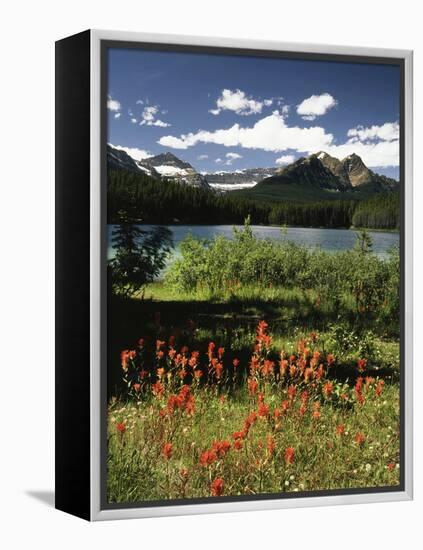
(233, 112)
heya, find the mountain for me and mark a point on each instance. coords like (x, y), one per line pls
(120, 160)
(230, 181)
(352, 172)
(322, 177)
(165, 166)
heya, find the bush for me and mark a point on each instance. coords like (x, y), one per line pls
(367, 283)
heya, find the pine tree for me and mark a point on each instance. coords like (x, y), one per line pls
(139, 257)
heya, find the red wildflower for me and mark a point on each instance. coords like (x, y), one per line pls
(359, 438)
(330, 359)
(369, 381)
(316, 411)
(254, 363)
(252, 386)
(207, 458)
(358, 389)
(198, 374)
(379, 387)
(210, 351)
(157, 389)
(219, 370)
(216, 488)
(292, 371)
(220, 352)
(292, 390)
(289, 455)
(283, 366)
(304, 396)
(268, 368)
(263, 410)
(167, 450)
(137, 387)
(277, 413)
(251, 418)
(320, 372)
(235, 362)
(221, 447)
(121, 428)
(340, 429)
(390, 466)
(361, 364)
(308, 374)
(328, 388)
(159, 344)
(238, 444)
(238, 435)
(271, 445)
(124, 359)
(194, 358)
(285, 405)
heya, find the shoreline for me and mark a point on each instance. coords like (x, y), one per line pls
(282, 227)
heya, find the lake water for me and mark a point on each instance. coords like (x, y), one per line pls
(332, 240)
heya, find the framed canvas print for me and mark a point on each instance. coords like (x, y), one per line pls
(234, 259)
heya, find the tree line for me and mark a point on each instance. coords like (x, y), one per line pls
(138, 198)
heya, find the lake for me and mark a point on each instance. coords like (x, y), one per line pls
(332, 240)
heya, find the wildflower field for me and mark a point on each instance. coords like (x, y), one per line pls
(204, 425)
(253, 367)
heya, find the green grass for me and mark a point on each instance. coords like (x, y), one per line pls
(137, 469)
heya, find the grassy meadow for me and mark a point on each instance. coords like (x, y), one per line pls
(255, 366)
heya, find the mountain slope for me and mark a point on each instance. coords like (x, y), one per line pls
(165, 166)
(322, 177)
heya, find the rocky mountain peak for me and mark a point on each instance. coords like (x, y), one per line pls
(357, 171)
(168, 159)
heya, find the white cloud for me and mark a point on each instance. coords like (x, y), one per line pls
(148, 117)
(117, 115)
(382, 154)
(387, 132)
(140, 102)
(267, 102)
(233, 156)
(137, 154)
(285, 159)
(113, 104)
(160, 123)
(202, 157)
(133, 120)
(230, 157)
(378, 146)
(269, 134)
(218, 161)
(315, 105)
(238, 102)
